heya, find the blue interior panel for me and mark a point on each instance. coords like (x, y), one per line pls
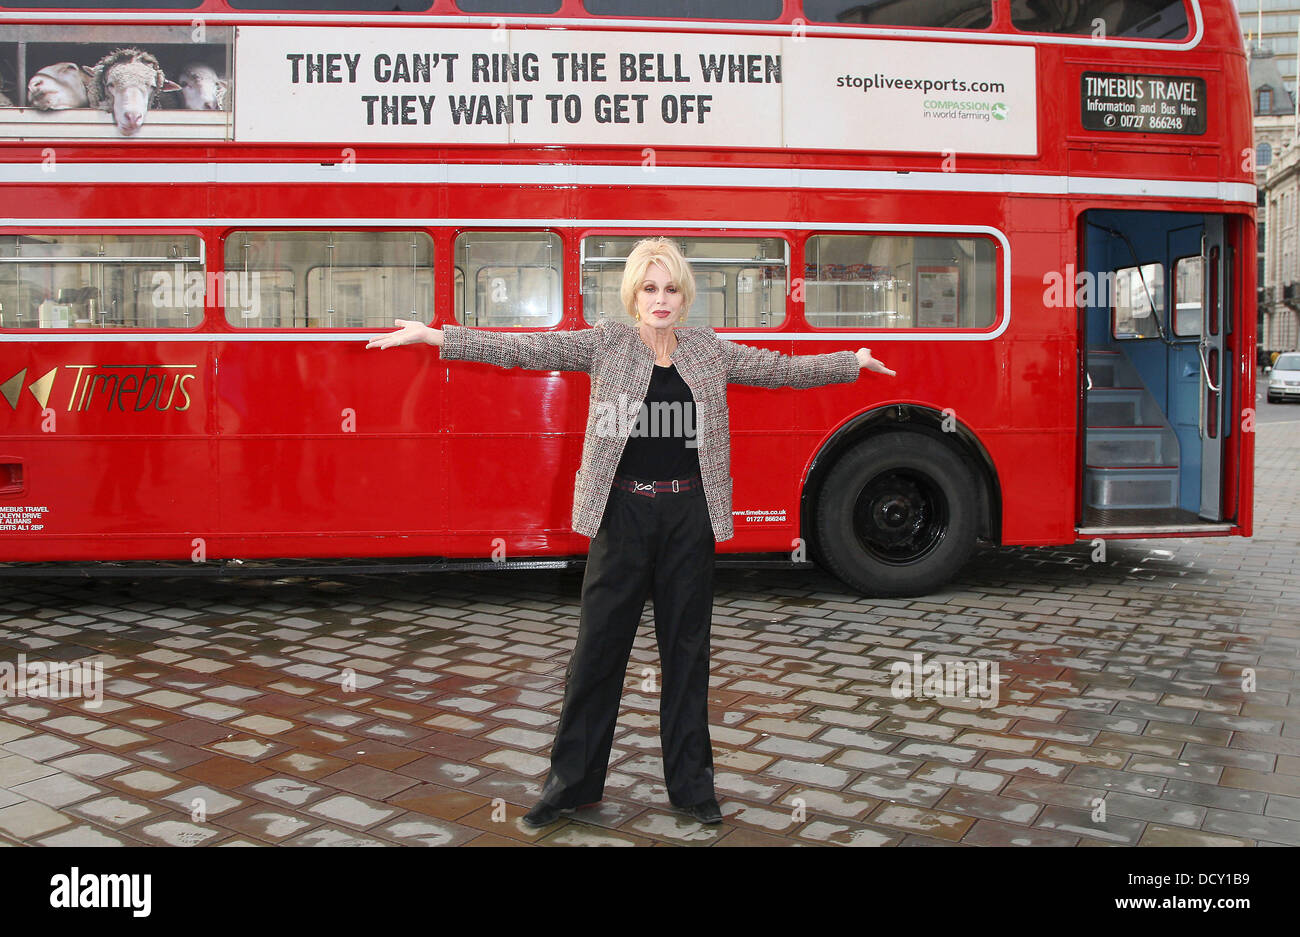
(1169, 371)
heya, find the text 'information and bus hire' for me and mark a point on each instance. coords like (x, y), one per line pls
(1143, 103)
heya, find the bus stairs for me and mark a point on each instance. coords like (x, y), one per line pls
(1131, 458)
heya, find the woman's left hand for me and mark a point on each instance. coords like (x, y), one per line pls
(871, 364)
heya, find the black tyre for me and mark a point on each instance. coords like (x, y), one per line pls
(897, 515)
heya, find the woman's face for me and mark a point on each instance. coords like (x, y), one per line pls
(658, 300)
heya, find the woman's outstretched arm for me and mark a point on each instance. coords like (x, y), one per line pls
(763, 367)
(538, 351)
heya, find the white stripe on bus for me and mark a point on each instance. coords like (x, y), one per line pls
(722, 177)
(615, 24)
(902, 335)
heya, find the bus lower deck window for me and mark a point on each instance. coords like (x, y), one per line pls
(94, 281)
(739, 282)
(326, 279)
(509, 279)
(898, 282)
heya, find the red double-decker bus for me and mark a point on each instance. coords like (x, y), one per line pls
(1041, 215)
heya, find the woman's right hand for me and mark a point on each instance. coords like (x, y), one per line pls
(410, 333)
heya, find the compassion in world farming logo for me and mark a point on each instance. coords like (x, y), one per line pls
(940, 109)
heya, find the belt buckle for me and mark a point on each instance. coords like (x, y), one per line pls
(675, 488)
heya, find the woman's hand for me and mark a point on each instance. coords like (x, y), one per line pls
(410, 333)
(871, 364)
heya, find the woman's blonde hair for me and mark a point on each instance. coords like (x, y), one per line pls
(665, 253)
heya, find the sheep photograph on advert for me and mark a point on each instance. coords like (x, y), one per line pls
(158, 82)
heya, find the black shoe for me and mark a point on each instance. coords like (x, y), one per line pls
(543, 814)
(706, 811)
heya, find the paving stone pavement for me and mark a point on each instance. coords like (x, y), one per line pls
(419, 709)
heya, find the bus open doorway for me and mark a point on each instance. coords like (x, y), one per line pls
(1156, 311)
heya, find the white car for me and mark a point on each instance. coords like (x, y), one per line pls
(1284, 379)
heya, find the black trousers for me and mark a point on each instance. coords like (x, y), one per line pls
(661, 546)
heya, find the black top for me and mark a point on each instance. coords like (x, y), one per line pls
(661, 445)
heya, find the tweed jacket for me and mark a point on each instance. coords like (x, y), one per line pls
(620, 365)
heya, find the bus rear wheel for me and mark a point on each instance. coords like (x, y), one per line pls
(898, 515)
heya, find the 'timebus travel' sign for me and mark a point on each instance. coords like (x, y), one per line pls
(433, 86)
(1143, 103)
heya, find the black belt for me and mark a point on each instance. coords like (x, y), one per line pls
(652, 488)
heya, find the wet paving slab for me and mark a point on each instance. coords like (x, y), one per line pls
(1147, 697)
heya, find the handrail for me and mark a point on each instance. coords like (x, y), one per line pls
(1205, 367)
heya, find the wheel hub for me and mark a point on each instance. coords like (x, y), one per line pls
(900, 516)
(894, 512)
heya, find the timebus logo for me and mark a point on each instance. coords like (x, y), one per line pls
(129, 388)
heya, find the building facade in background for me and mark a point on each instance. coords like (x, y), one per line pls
(1271, 29)
(1271, 25)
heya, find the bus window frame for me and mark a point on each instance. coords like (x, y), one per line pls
(223, 309)
(1195, 26)
(223, 234)
(1173, 299)
(459, 9)
(566, 312)
(307, 286)
(994, 22)
(1166, 289)
(147, 230)
(786, 238)
(574, 15)
(779, 19)
(1000, 310)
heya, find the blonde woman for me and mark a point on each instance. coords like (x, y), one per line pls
(654, 494)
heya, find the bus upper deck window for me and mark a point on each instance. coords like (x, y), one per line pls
(949, 14)
(336, 6)
(100, 4)
(101, 281)
(1129, 19)
(509, 6)
(687, 9)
